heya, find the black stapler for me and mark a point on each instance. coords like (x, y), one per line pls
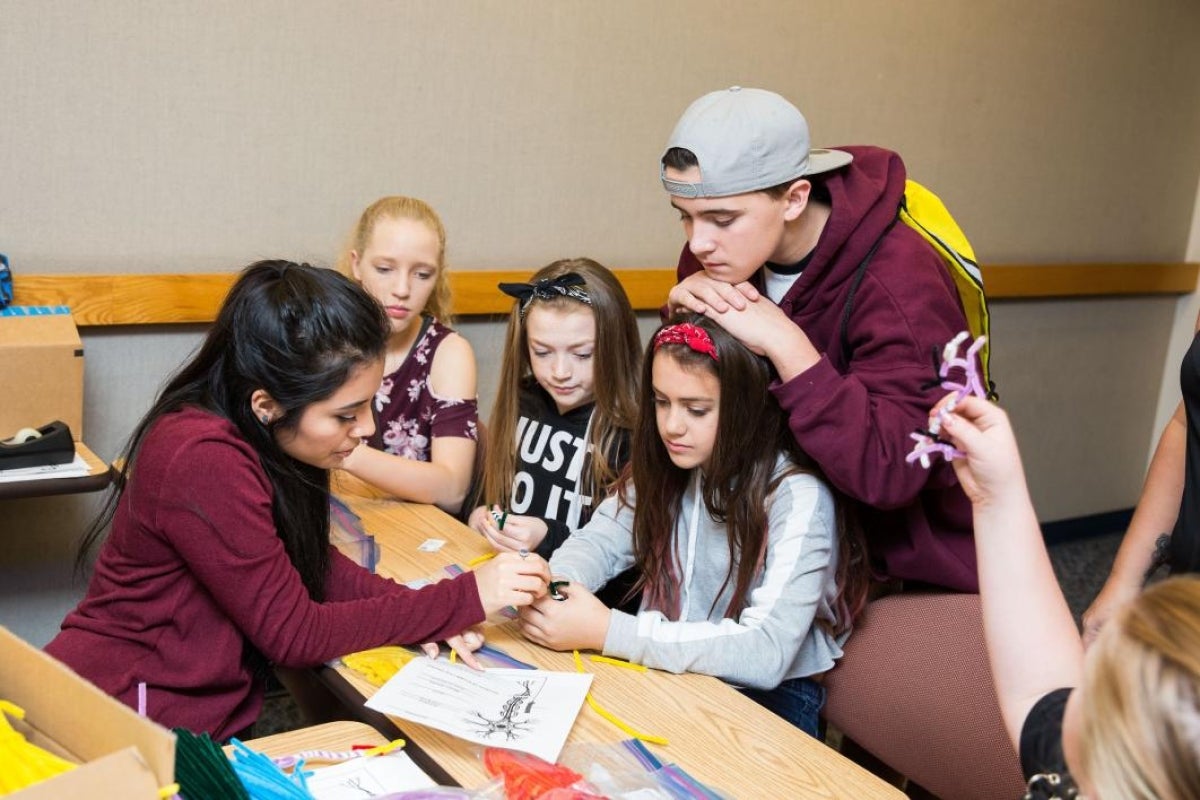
(38, 447)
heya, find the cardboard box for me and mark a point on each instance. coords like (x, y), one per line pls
(122, 756)
(41, 369)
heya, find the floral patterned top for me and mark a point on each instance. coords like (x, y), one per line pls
(408, 415)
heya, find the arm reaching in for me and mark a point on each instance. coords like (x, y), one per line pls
(510, 579)
(1032, 642)
(506, 580)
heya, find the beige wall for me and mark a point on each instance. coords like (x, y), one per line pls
(1187, 313)
(199, 136)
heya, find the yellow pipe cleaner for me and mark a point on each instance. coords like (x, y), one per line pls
(613, 718)
(474, 562)
(616, 662)
(377, 666)
(23, 764)
(384, 749)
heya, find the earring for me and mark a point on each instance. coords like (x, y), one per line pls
(266, 420)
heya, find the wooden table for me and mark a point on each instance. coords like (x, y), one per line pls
(715, 733)
(98, 477)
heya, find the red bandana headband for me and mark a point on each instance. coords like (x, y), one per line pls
(685, 333)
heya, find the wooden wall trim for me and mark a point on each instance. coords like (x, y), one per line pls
(1031, 281)
(156, 299)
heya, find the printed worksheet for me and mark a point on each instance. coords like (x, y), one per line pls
(362, 778)
(519, 709)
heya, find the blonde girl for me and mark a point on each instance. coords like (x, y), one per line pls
(1122, 721)
(567, 400)
(426, 412)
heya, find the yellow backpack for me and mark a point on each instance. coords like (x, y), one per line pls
(922, 210)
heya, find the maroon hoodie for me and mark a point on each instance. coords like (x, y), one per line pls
(193, 583)
(854, 418)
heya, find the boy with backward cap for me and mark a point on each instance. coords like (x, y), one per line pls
(778, 234)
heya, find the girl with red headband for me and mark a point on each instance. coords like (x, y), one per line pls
(749, 569)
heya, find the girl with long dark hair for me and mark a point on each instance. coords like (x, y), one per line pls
(218, 562)
(748, 570)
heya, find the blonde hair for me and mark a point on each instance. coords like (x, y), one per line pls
(1141, 698)
(400, 207)
(616, 356)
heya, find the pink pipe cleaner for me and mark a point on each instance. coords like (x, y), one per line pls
(928, 443)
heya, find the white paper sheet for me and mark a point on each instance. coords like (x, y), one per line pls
(519, 709)
(361, 778)
(73, 469)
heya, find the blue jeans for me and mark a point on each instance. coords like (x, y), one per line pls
(798, 700)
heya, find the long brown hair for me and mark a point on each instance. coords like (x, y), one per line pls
(298, 332)
(751, 432)
(400, 207)
(618, 349)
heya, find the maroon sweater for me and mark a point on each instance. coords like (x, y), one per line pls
(854, 418)
(193, 580)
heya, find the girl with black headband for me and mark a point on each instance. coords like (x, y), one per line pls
(567, 400)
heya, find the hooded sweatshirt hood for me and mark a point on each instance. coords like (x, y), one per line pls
(853, 412)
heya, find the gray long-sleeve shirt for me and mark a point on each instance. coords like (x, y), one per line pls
(775, 638)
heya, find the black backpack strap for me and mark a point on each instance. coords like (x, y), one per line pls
(859, 274)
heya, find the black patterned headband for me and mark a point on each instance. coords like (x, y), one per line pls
(567, 285)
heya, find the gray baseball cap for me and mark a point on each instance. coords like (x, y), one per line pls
(746, 140)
